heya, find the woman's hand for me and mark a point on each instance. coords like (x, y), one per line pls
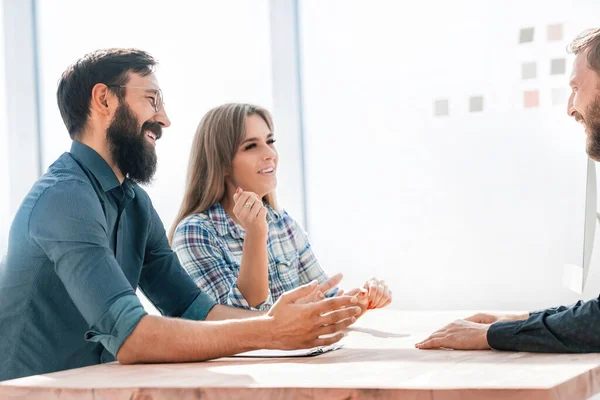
(361, 295)
(250, 212)
(378, 293)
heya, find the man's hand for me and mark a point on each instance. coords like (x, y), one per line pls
(379, 293)
(299, 326)
(361, 295)
(490, 318)
(319, 291)
(459, 335)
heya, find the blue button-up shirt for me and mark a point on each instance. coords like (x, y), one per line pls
(79, 245)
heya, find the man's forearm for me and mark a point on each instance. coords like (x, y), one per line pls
(560, 330)
(159, 339)
(514, 317)
(220, 313)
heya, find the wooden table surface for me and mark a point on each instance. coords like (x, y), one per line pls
(378, 361)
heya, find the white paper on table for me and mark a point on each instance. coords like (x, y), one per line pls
(315, 351)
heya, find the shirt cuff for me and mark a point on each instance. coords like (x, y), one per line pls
(199, 308)
(237, 299)
(503, 335)
(116, 324)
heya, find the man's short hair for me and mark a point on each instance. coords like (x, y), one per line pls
(108, 66)
(588, 40)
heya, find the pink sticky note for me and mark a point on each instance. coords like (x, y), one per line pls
(531, 98)
(555, 32)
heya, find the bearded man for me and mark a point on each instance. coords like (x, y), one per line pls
(86, 236)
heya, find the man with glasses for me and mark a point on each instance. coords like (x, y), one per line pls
(86, 236)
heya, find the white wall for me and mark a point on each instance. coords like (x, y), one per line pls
(472, 210)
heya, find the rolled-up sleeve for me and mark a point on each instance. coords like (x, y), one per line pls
(117, 323)
(199, 252)
(166, 283)
(571, 329)
(68, 223)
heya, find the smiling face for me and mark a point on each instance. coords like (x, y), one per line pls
(254, 166)
(584, 103)
(135, 128)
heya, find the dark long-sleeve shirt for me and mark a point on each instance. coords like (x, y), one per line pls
(80, 244)
(573, 329)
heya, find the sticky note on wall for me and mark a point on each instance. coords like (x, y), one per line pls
(531, 98)
(526, 35)
(440, 107)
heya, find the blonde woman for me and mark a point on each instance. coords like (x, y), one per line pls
(230, 234)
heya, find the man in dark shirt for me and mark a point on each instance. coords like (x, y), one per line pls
(86, 236)
(573, 329)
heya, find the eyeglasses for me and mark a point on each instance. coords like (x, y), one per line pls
(157, 100)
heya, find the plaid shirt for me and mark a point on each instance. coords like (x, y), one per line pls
(209, 246)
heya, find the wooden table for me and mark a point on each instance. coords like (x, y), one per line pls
(379, 361)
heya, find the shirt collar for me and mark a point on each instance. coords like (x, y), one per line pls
(224, 224)
(96, 165)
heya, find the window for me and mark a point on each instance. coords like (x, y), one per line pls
(5, 211)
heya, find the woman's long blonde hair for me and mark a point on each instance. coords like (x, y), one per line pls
(219, 134)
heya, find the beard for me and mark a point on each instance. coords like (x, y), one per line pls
(592, 129)
(128, 146)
